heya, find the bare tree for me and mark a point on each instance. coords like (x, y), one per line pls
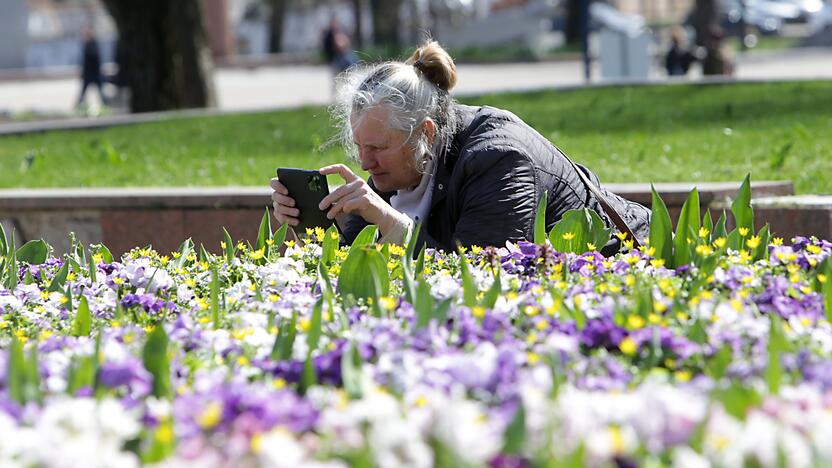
(276, 24)
(709, 36)
(166, 53)
(385, 21)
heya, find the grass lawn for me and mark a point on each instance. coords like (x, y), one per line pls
(625, 134)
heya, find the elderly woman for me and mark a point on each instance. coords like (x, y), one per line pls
(470, 175)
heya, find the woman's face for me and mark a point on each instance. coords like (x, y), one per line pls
(384, 152)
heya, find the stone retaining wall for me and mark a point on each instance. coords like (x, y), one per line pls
(164, 217)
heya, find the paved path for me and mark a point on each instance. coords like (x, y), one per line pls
(271, 87)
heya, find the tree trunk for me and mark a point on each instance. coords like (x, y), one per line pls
(709, 36)
(385, 21)
(358, 34)
(572, 28)
(166, 52)
(276, 25)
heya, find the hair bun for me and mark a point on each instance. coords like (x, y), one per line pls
(435, 64)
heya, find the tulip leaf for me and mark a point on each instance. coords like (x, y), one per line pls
(661, 235)
(264, 233)
(82, 325)
(366, 236)
(364, 273)
(33, 252)
(155, 359)
(540, 220)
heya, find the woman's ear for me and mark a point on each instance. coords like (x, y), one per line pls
(429, 129)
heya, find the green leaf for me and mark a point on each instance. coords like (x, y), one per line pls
(308, 377)
(16, 372)
(11, 274)
(329, 246)
(351, 372)
(688, 221)
(185, 249)
(313, 336)
(719, 228)
(515, 435)
(420, 262)
(741, 207)
(540, 220)
(280, 236)
(32, 389)
(82, 325)
(365, 237)
(412, 238)
(423, 304)
(469, 287)
(661, 235)
(215, 297)
(264, 233)
(4, 242)
(777, 345)
(761, 251)
(106, 255)
(493, 293)
(440, 313)
(718, 364)
(93, 269)
(155, 358)
(285, 340)
(825, 286)
(229, 247)
(363, 272)
(162, 442)
(27, 278)
(737, 399)
(33, 252)
(708, 223)
(577, 229)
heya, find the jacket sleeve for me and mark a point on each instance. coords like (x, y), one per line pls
(498, 197)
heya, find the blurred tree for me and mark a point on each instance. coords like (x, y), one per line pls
(166, 52)
(572, 27)
(385, 21)
(276, 24)
(709, 36)
(358, 33)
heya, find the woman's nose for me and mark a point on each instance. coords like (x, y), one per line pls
(367, 162)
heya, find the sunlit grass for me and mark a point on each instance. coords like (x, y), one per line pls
(625, 134)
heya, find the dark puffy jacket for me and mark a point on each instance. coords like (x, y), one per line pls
(490, 180)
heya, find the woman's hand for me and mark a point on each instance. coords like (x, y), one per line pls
(356, 197)
(284, 205)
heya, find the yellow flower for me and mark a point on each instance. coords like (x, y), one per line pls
(628, 346)
(590, 246)
(257, 254)
(656, 263)
(222, 245)
(305, 324)
(743, 231)
(256, 443)
(531, 310)
(532, 358)
(822, 278)
(210, 416)
(175, 254)
(279, 383)
(813, 249)
(703, 232)
(269, 242)
(753, 242)
(682, 375)
(568, 236)
(420, 401)
(319, 233)
(164, 433)
(629, 244)
(704, 250)
(387, 302)
(777, 241)
(635, 322)
(478, 312)
(475, 249)
(621, 235)
(719, 242)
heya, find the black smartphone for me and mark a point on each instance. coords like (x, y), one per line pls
(308, 188)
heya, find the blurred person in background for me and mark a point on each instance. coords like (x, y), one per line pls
(90, 65)
(470, 175)
(335, 45)
(679, 58)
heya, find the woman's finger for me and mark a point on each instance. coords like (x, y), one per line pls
(283, 199)
(278, 187)
(347, 204)
(341, 170)
(338, 194)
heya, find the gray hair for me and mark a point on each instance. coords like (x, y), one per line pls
(410, 97)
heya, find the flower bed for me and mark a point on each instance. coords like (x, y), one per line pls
(364, 356)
